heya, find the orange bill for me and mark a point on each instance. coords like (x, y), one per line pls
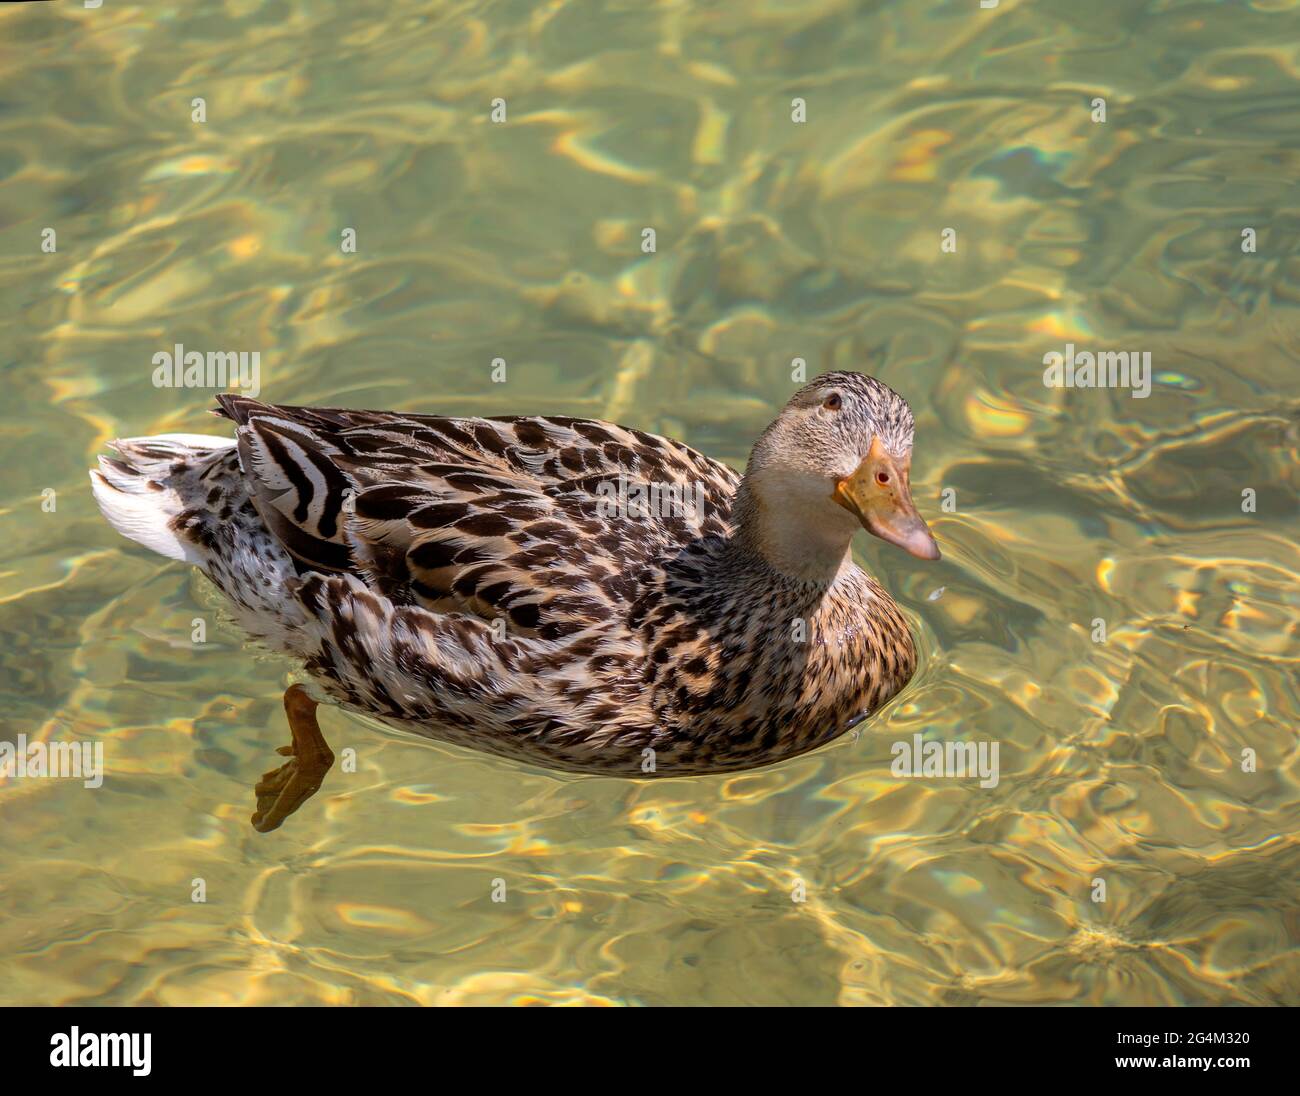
(879, 494)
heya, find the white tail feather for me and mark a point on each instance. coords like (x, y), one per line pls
(132, 493)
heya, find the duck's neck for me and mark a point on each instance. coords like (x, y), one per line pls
(809, 542)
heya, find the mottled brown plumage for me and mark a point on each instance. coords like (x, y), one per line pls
(466, 579)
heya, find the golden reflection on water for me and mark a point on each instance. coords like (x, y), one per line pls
(1120, 761)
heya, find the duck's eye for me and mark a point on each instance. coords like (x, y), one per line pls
(833, 402)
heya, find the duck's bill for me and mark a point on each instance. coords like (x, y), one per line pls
(879, 494)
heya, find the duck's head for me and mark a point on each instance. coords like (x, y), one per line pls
(838, 456)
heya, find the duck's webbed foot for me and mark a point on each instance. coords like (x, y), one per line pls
(282, 791)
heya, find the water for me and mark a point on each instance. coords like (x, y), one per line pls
(1121, 761)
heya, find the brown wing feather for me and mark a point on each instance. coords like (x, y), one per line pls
(496, 517)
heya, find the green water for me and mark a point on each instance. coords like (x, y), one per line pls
(522, 240)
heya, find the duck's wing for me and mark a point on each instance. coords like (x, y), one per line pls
(543, 520)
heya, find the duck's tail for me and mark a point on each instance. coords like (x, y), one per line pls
(151, 482)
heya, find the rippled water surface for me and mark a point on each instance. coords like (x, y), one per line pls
(1121, 761)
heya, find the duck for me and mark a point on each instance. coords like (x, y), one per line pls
(564, 592)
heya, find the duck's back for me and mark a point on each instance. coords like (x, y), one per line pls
(542, 521)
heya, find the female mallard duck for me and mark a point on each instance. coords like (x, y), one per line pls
(495, 583)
